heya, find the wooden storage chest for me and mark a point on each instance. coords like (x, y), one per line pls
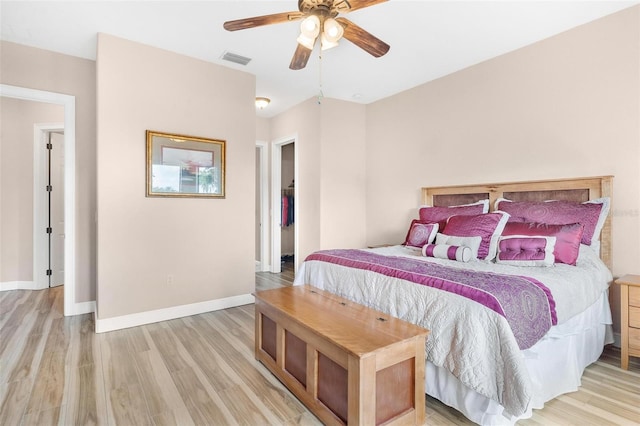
(347, 363)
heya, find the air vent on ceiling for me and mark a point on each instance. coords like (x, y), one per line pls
(234, 57)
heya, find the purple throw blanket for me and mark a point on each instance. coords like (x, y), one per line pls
(526, 303)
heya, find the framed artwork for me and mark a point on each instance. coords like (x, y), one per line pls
(184, 166)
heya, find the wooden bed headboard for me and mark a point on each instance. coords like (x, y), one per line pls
(577, 190)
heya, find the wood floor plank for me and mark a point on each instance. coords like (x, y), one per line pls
(200, 351)
(22, 308)
(616, 394)
(163, 399)
(87, 399)
(255, 377)
(242, 408)
(128, 406)
(14, 401)
(28, 357)
(167, 344)
(48, 389)
(204, 408)
(42, 418)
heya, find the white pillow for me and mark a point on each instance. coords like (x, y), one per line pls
(444, 251)
(472, 242)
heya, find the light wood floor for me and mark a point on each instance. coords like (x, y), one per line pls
(201, 370)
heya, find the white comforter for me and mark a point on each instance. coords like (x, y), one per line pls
(474, 343)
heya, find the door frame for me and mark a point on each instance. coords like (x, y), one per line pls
(276, 217)
(264, 204)
(69, 103)
(40, 211)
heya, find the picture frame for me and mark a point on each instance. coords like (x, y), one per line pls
(184, 166)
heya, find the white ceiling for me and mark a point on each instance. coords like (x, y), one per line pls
(428, 39)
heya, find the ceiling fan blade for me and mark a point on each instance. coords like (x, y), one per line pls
(363, 39)
(344, 6)
(300, 57)
(258, 21)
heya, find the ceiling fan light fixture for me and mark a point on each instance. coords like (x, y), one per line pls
(333, 31)
(326, 43)
(306, 41)
(262, 102)
(309, 30)
(310, 26)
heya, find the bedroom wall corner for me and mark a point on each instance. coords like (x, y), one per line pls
(170, 255)
(343, 174)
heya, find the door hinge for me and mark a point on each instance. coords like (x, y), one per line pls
(49, 230)
(49, 188)
(49, 272)
(49, 146)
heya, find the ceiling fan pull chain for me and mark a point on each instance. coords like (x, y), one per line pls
(320, 95)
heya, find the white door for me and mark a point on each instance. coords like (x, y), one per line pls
(57, 210)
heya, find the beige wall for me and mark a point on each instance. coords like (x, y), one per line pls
(568, 106)
(331, 172)
(343, 212)
(203, 243)
(16, 183)
(44, 70)
(263, 129)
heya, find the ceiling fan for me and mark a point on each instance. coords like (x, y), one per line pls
(320, 19)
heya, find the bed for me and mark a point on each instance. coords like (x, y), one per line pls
(482, 360)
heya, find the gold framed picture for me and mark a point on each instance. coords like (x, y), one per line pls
(185, 166)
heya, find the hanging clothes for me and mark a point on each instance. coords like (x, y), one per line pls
(287, 209)
(291, 209)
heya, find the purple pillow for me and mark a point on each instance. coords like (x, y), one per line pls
(568, 237)
(487, 226)
(420, 233)
(591, 214)
(440, 215)
(522, 250)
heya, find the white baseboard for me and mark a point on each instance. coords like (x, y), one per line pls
(259, 267)
(134, 320)
(19, 285)
(83, 308)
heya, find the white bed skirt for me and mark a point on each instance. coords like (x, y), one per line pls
(555, 365)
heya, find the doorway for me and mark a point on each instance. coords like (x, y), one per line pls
(69, 103)
(48, 205)
(285, 218)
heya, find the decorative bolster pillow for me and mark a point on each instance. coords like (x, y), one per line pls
(524, 250)
(445, 251)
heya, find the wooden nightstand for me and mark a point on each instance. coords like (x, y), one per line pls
(630, 324)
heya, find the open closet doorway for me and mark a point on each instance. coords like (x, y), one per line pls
(284, 204)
